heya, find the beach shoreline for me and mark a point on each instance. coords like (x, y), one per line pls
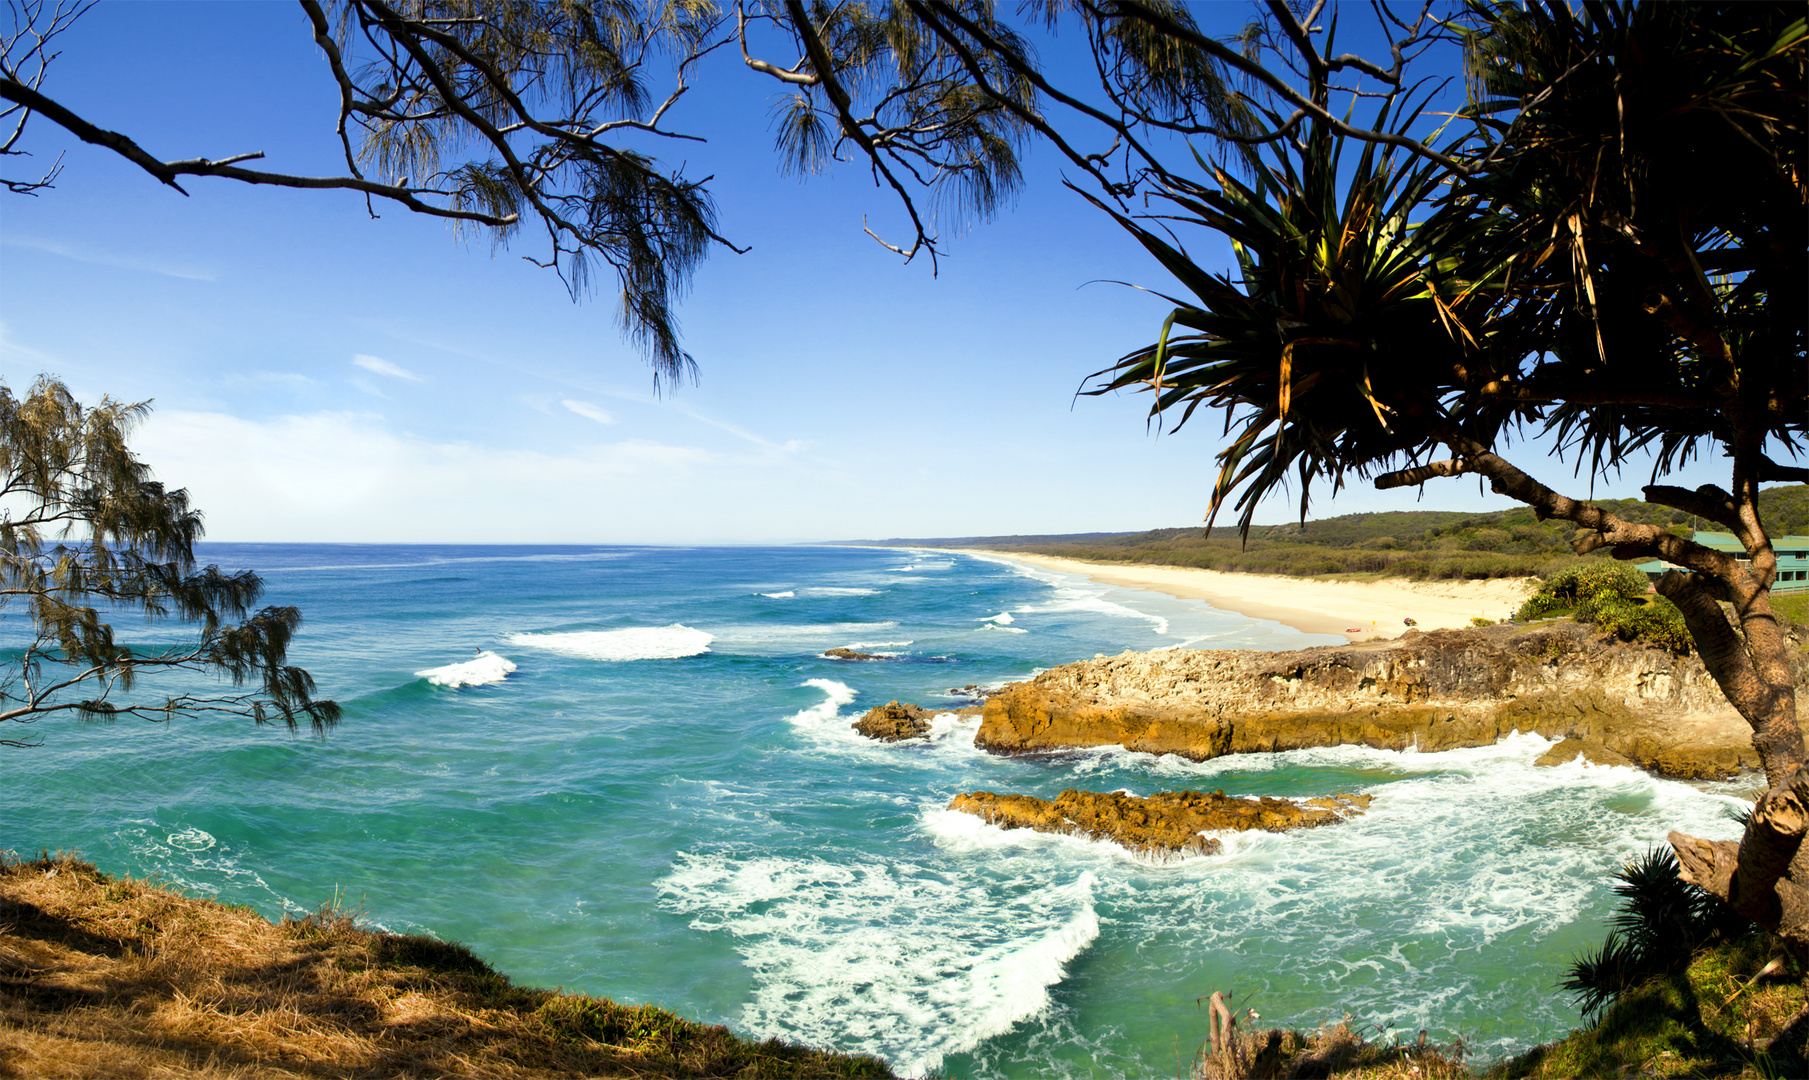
(1355, 610)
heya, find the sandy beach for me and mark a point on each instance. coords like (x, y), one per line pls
(1359, 610)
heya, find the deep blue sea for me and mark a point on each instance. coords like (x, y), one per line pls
(629, 772)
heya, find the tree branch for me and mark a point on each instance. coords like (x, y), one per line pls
(167, 172)
(824, 66)
(1163, 23)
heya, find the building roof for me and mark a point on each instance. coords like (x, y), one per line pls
(1721, 541)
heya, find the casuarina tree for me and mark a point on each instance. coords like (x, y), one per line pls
(86, 537)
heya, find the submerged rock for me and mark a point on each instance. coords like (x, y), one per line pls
(895, 721)
(850, 654)
(1438, 690)
(1166, 823)
(1592, 751)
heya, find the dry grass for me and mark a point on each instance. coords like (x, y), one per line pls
(103, 976)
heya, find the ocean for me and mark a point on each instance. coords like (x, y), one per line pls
(629, 772)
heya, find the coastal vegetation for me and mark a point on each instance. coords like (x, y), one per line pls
(1613, 597)
(86, 536)
(107, 976)
(1681, 987)
(1417, 544)
(1403, 312)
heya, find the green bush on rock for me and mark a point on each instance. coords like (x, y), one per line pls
(1613, 597)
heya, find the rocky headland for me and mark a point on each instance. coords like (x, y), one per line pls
(1440, 690)
(1165, 824)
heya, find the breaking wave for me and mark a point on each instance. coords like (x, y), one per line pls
(639, 643)
(481, 670)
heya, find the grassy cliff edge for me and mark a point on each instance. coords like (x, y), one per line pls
(105, 976)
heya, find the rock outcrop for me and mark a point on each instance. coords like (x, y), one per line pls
(1167, 823)
(1591, 751)
(850, 654)
(1437, 690)
(895, 721)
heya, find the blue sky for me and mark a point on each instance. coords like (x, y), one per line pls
(320, 376)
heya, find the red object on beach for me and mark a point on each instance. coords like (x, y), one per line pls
(1353, 629)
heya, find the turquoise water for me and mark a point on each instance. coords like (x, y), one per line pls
(663, 802)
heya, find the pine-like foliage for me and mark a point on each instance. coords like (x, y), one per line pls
(86, 535)
(1661, 922)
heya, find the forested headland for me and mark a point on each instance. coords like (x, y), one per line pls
(1416, 544)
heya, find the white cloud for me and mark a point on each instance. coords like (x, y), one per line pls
(588, 411)
(380, 366)
(346, 476)
(104, 258)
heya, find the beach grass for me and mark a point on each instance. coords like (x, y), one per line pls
(106, 976)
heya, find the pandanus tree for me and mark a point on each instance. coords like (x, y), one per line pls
(1614, 257)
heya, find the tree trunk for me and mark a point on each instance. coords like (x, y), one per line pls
(1765, 876)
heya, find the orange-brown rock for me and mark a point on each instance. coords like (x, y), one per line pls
(1434, 691)
(1166, 823)
(1591, 751)
(849, 654)
(894, 721)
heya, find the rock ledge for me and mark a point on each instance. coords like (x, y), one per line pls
(1168, 823)
(1432, 691)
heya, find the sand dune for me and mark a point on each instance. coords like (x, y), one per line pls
(1357, 609)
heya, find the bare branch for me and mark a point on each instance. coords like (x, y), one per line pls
(167, 172)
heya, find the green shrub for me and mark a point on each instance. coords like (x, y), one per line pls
(1653, 619)
(1613, 597)
(1575, 587)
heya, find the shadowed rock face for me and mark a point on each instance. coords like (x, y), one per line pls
(1166, 823)
(894, 721)
(1430, 691)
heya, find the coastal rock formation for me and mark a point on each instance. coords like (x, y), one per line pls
(1166, 823)
(849, 654)
(1593, 752)
(895, 721)
(1436, 690)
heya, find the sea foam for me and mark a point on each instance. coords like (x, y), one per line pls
(890, 958)
(836, 695)
(481, 670)
(638, 643)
